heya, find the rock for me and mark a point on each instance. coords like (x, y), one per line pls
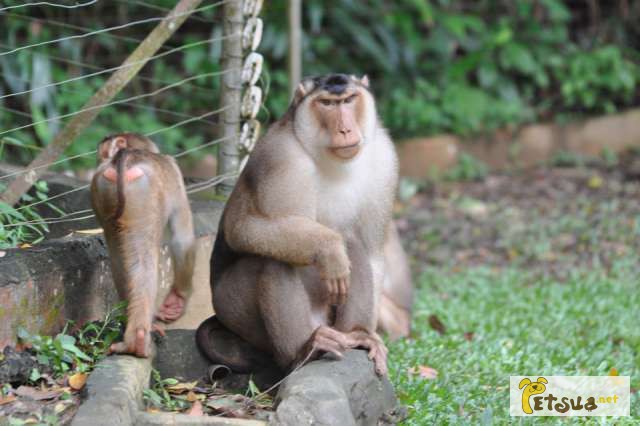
(534, 145)
(613, 132)
(204, 168)
(336, 392)
(420, 158)
(16, 366)
(177, 356)
(494, 150)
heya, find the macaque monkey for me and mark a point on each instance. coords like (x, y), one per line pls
(298, 264)
(135, 193)
(394, 316)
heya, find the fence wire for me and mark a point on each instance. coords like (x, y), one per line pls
(16, 98)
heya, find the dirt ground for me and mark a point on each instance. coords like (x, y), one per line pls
(549, 219)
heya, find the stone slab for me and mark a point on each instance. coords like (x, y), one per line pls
(330, 392)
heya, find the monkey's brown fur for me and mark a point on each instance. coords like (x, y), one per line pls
(135, 193)
(303, 232)
(395, 307)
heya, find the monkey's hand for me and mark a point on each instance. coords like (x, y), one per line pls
(334, 267)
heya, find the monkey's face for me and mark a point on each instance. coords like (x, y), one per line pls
(333, 115)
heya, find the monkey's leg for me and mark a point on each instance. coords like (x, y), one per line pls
(115, 259)
(291, 311)
(183, 253)
(140, 251)
(393, 319)
(356, 318)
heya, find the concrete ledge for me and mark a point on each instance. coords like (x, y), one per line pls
(114, 397)
(324, 392)
(114, 389)
(69, 277)
(114, 392)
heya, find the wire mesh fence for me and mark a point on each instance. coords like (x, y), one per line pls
(175, 71)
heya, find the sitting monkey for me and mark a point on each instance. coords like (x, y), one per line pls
(298, 264)
(135, 193)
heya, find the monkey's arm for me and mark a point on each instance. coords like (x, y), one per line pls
(292, 239)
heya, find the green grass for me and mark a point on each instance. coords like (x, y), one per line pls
(521, 325)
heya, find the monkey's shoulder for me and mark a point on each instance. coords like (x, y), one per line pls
(276, 158)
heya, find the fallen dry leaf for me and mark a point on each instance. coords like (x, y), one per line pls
(37, 394)
(469, 335)
(224, 404)
(179, 388)
(77, 381)
(89, 231)
(424, 372)
(595, 182)
(436, 324)
(196, 409)
(24, 245)
(192, 396)
(7, 399)
(61, 406)
(613, 371)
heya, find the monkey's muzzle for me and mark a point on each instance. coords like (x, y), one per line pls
(346, 152)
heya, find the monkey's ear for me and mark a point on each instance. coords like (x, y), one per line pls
(120, 142)
(523, 383)
(542, 380)
(364, 81)
(303, 89)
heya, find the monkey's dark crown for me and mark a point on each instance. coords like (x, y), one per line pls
(332, 83)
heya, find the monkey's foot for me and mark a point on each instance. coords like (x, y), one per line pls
(374, 344)
(158, 328)
(327, 339)
(172, 308)
(139, 346)
(336, 342)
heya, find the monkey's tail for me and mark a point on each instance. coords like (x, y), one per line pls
(222, 346)
(119, 162)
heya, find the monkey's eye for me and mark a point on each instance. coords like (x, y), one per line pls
(326, 102)
(350, 99)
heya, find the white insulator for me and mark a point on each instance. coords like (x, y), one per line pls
(243, 162)
(249, 134)
(251, 7)
(252, 34)
(251, 102)
(252, 68)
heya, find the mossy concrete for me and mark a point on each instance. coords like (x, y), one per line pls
(68, 277)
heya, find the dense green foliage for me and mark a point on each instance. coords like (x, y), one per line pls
(462, 66)
(24, 224)
(72, 58)
(468, 66)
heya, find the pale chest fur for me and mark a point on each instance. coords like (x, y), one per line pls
(358, 195)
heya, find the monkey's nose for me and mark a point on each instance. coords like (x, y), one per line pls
(344, 131)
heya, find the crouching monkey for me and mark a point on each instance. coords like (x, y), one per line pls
(135, 193)
(298, 264)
